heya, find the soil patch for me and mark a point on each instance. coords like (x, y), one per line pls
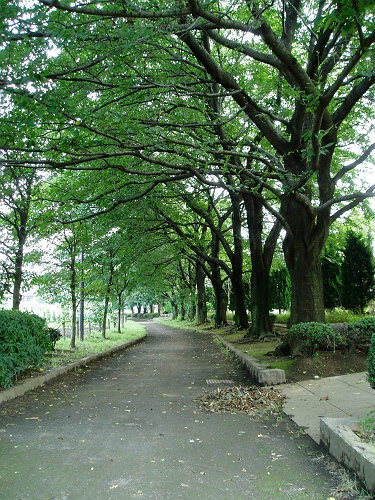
(324, 364)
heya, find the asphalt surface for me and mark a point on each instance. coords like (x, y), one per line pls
(130, 426)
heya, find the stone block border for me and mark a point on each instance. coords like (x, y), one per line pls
(34, 382)
(337, 435)
(260, 373)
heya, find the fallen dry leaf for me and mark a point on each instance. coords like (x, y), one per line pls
(250, 400)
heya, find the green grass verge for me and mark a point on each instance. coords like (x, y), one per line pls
(92, 344)
(183, 325)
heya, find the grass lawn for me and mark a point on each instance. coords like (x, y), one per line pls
(92, 344)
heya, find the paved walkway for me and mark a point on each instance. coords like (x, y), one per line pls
(129, 426)
(341, 396)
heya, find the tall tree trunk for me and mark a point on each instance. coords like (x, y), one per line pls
(241, 317)
(261, 260)
(82, 303)
(119, 312)
(106, 300)
(201, 303)
(105, 315)
(221, 299)
(174, 309)
(17, 283)
(302, 247)
(182, 311)
(73, 295)
(305, 271)
(19, 257)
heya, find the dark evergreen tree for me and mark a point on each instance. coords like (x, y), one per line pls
(332, 283)
(358, 271)
(280, 289)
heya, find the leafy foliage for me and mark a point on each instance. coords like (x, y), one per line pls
(312, 336)
(332, 284)
(357, 273)
(268, 101)
(364, 327)
(371, 362)
(280, 292)
(24, 339)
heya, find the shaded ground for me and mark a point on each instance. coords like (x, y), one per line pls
(130, 426)
(326, 364)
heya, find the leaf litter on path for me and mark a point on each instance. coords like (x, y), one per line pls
(238, 399)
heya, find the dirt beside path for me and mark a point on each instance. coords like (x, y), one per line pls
(324, 364)
(131, 426)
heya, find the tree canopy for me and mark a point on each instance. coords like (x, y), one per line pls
(269, 102)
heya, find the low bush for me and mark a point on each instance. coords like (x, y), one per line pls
(24, 339)
(309, 338)
(364, 327)
(371, 362)
(54, 336)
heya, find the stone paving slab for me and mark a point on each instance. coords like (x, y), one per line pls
(334, 397)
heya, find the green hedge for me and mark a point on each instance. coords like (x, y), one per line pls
(371, 362)
(24, 340)
(308, 338)
(364, 326)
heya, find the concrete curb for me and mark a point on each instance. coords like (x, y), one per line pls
(34, 382)
(260, 373)
(337, 436)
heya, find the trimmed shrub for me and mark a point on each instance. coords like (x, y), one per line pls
(24, 339)
(305, 339)
(364, 327)
(371, 362)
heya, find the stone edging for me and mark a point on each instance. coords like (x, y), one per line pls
(337, 435)
(260, 373)
(34, 382)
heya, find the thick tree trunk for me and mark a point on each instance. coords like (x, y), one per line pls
(261, 260)
(306, 279)
(221, 303)
(221, 299)
(241, 317)
(201, 303)
(260, 317)
(174, 309)
(302, 249)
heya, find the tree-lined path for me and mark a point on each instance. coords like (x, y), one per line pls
(129, 426)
